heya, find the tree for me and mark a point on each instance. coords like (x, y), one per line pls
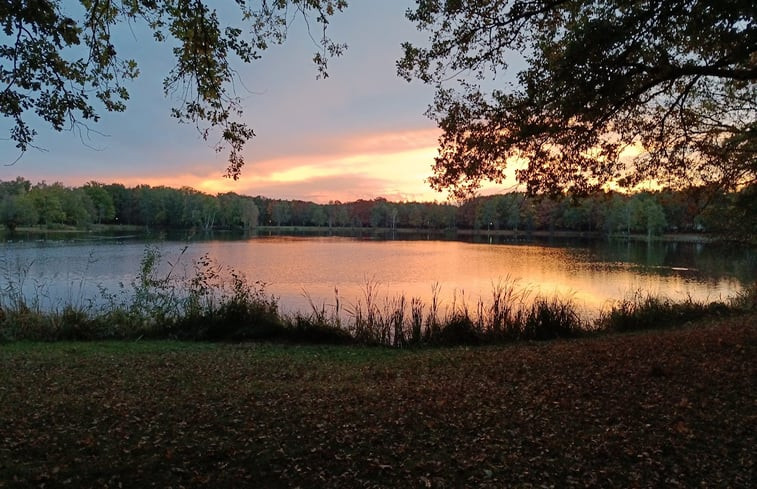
(17, 210)
(16, 207)
(124, 201)
(318, 215)
(612, 90)
(380, 213)
(56, 58)
(249, 214)
(78, 208)
(617, 218)
(647, 214)
(341, 214)
(198, 209)
(15, 187)
(299, 212)
(487, 213)
(105, 209)
(48, 202)
(281, 211)
(733, 215)
(510, 208)
(416, 218)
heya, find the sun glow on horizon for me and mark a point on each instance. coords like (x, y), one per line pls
(391, 164)
(392, 173)
(388, 164)
(394, 165)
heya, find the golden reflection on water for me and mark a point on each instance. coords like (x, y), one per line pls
(592, 274)
(464, 272)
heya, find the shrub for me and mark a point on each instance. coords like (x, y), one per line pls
(313, 330)
(746, 300)
(640, 312)
(459, 329)
(549, 319)
(75, 324)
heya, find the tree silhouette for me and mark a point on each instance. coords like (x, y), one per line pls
(610, 90)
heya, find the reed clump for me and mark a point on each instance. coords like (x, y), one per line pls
(641, 311)
(217, 303)
(510, 315)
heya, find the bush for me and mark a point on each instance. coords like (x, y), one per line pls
(75, 324)
(310, 330)
(549, 319)
(640, 312)
(458, 330)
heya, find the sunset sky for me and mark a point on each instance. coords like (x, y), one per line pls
(359, 134)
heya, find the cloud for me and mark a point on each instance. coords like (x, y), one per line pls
(389, 164)
(363, 165)
(393, 141)
(322, 189)
(384, 164)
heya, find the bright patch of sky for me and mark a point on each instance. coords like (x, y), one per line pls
(360, 133)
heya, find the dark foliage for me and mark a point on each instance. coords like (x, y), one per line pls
(650, 312)
(570, 86)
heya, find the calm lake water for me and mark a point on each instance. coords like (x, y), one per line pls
(592, 272)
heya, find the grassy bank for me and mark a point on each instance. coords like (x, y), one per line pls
(671, 408)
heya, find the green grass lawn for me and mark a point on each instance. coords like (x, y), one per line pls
(669, 408)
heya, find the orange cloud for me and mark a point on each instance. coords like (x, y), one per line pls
(390, 164)
(209, 183)
(393, 141)
(396, 164)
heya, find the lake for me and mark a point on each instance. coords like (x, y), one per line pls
(592, 272)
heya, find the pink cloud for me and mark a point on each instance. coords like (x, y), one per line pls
(390, 164)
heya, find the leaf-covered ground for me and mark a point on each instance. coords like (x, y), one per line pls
(659, 409)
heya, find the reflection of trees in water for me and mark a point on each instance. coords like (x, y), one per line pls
(705, 261)
(722, 259)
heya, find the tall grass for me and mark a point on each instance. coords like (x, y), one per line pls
(217, 303)
(642, 311)
(509, 316)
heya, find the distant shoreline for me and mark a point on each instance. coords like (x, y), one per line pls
(135, 230)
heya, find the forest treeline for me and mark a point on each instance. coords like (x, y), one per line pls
(611, 213)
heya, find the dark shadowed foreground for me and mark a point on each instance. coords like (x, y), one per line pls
(663, 408)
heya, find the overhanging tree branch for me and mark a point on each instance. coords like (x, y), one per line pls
(600, 75)
(45, 79)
